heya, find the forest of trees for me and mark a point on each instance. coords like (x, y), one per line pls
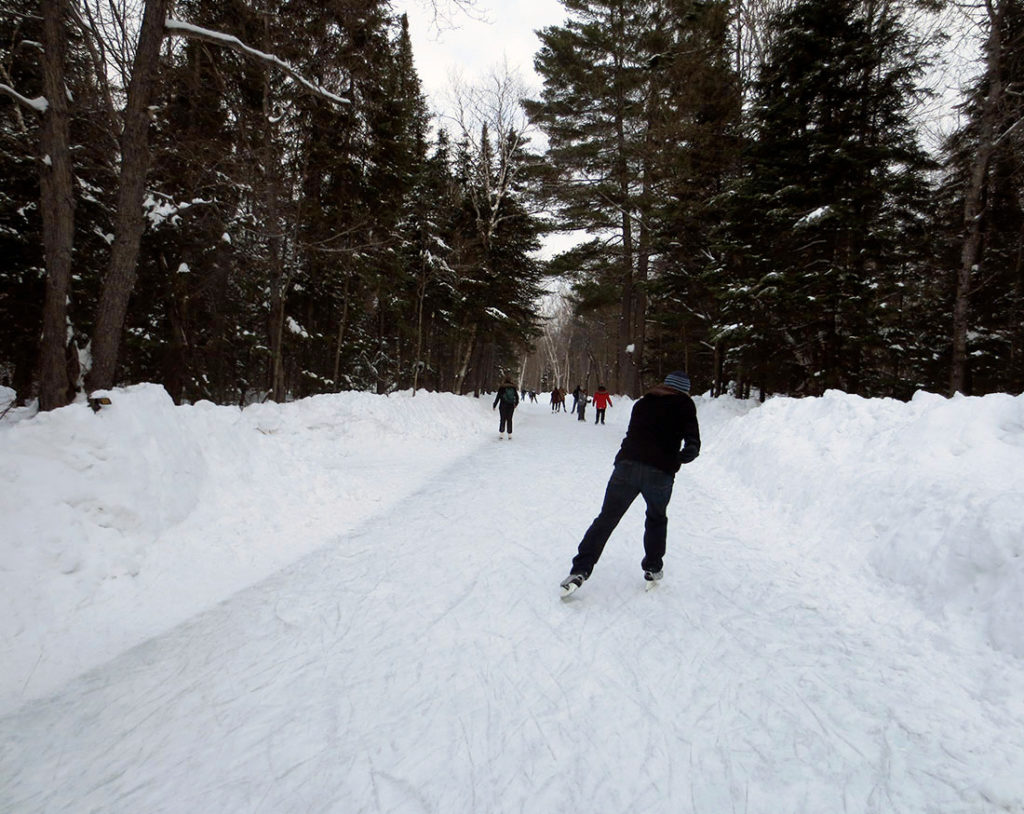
(243, 200)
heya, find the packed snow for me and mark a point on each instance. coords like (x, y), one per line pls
(350, 603)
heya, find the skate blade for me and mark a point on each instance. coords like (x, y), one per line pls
(569, 590)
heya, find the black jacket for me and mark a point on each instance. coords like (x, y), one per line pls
(661, 422)
(499, 400)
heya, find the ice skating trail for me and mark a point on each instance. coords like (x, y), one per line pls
(427, 664)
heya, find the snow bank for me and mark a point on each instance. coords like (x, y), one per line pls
(86, 494)
(926, 494)
(122, 523)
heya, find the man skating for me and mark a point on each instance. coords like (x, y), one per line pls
(661, 422)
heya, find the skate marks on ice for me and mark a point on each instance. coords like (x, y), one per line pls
(383, 673)
(787, 679)
(426, 664)
(842, 692)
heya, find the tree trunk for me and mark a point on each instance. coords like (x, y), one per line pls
(421, 295)
(58, 211)
(275, 330)
(643, 262)
(460, 377)
(973, 207)
(272, 210)
(129, 223)
(623, 357)
(175, 361)
(342, 326)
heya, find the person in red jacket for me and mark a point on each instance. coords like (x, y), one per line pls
(602, 401)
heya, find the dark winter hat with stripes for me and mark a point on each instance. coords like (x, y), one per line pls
(678, 380)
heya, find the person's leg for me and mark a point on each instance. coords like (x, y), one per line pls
(619, 494)
(656, 487)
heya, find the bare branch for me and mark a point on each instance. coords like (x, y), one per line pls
(491, 121)
(97, 53)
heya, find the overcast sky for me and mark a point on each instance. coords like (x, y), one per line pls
(503, 30)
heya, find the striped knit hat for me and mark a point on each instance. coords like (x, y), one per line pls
(678, 380)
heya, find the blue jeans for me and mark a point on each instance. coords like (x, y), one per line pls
(629, 479)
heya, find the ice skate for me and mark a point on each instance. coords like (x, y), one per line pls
(571, 583)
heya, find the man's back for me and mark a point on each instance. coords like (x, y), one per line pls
(658, 425)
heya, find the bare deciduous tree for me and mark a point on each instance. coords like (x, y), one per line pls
(491, 121)
(750, 24)
(135, 157)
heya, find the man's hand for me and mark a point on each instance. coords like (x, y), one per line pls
(688, 454)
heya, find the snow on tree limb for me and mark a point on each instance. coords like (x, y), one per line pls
(183, 29)
(39, 104)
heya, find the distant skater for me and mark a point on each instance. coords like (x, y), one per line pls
(506, 400)
(646, 464)
(581, 407)
(602, 401)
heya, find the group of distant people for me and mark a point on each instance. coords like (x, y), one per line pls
(508, 398)
(662, 435)
(601, 400)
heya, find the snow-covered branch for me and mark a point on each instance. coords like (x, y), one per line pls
(39, 104)
(183, 29)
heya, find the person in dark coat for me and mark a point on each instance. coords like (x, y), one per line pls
(664, 420)
(581, 405)
(506, 400)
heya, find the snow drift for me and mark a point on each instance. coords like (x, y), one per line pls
(120, 524)
(927, 494)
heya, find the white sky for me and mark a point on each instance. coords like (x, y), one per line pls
(471, 47)
(498, 31)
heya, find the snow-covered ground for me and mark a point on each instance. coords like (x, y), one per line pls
(349, 604)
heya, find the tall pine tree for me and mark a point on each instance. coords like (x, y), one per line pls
(832, 170)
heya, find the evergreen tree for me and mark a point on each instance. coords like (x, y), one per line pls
(640, 105)
(187, 326)
(426, 232)
(597, 72)
(23, 271)
(359, 166)
(834, 173)
(985, 215)
(694, 143)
